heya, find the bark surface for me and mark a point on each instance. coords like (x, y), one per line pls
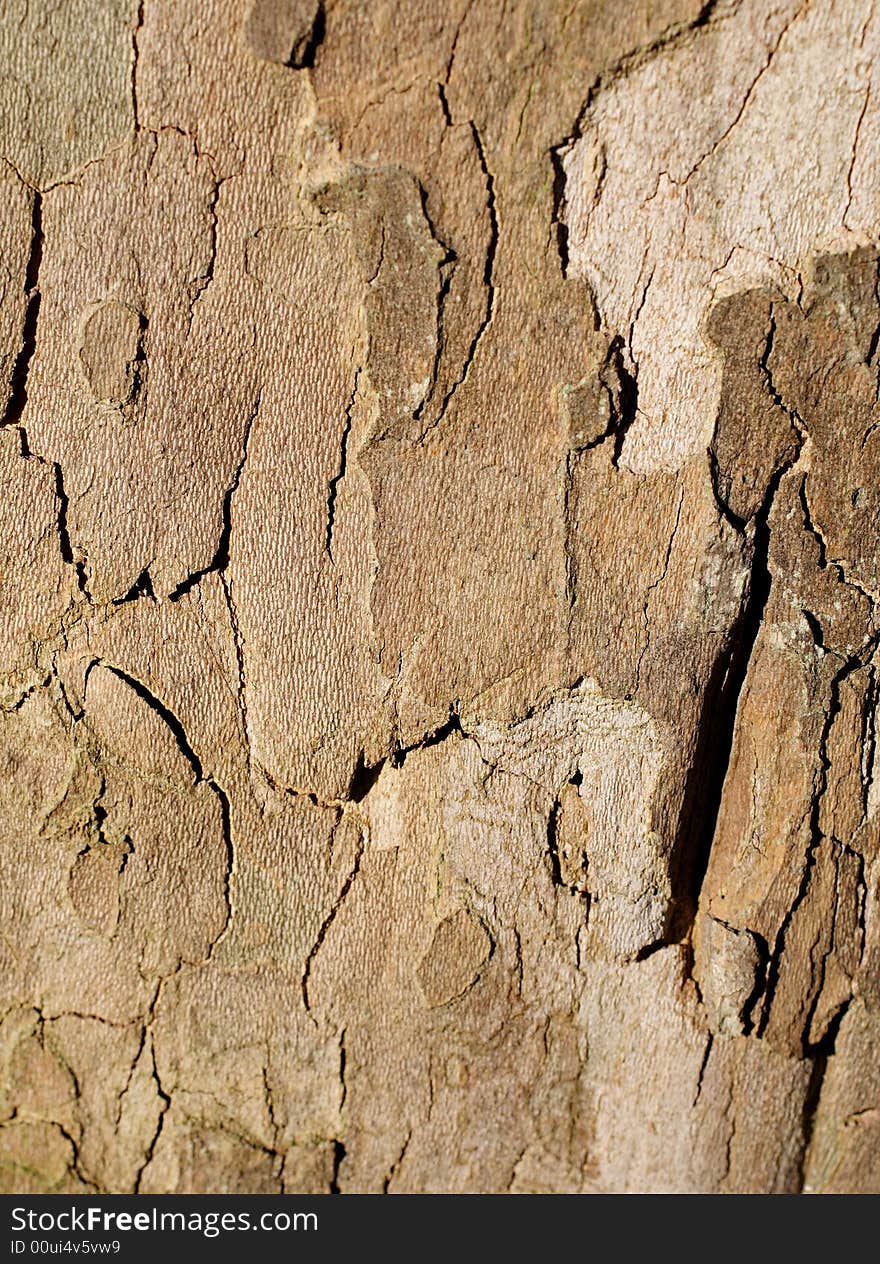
(440, 591)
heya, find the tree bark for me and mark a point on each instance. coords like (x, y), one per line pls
(439, 596)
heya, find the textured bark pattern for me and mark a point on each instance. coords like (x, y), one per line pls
(439, 586)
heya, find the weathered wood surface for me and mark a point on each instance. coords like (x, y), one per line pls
(439, 589)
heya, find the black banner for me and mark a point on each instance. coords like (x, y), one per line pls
(282, 1227)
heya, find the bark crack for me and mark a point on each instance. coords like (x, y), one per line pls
(135, 53)
(238, 642)
(184, 746)
(746, 99)
(204, 281)
(577, 887)
(395, 1166)
(710, 1040)
(849, 665)
(333, 488)
(338, 1160)
(855, 146)
(18, 383)
(488, 284)
(18, 389)
(328, 922)
(717, 727)
(220, 560)
(304, 54)
(674, 36)
(809, 1112)
(165, 1105)
(164, 1098)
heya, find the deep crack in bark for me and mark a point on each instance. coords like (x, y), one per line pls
(488, 283)
(220, 561)
(17, 400)
(714, 745)
(328, 922)
(333, 488)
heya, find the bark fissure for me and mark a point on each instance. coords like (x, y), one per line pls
(333, 488)
(205, 280)
(707, 1051)
(395, 1166)
(165, 714)
(178, 732)
(578, 886)
(220, 561)
(749, 93)
(238, 645)
(165, 1106)
(17, 400)
(328, 922)
(848, 666)
(715, 738)
(135, 53)
(339, 1154)
(304, 56)
(673, 37)
(488, 284)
